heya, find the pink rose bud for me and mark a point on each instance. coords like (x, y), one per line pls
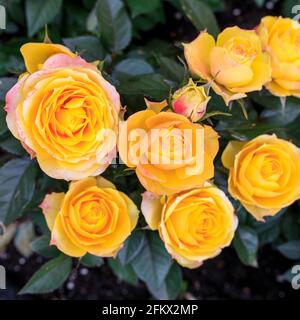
(191, 101)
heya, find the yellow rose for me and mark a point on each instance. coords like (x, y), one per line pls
(281, 38)
(168, 152)
(264, 174)
(234, 64)
(190, 101)
(64, 112)
(92, 217)
(195, 225)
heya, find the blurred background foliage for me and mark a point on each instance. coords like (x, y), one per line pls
(139, 45)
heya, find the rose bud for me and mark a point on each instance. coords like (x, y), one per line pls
(191, 101)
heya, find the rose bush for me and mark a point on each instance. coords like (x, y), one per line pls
(204, 173)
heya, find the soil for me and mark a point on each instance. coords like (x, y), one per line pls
(221, 278)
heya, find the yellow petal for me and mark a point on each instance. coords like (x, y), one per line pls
(156, 106)
(211, 141)
(62, 242)
(236, 32)
(259, 213)
(227, 71)
(262, 74)
(197, 54)
(226, 94)
(184, 262)
(133, 211)
(278, 91)
(35, 54)
(50, 206)
(232, 148)
(104, 183)
(151, 207)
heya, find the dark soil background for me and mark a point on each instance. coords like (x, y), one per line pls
(223, 277)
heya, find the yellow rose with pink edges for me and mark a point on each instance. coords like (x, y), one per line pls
(63, 112)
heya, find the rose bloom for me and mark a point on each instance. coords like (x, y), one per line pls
(92, 217)
(234, 64)
(195, 225)
(281, 38)
(64, 112)
(190, 101)
(155, 163)
(264, 174)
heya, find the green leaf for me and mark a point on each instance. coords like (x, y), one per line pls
(260, 3)
(171, 286)
(290, 249)
(88, 47)
(171, 69)
(138, 7)
(41, 246)
(265, 99)
(287, 8)
(90, 260)
(291, 226)
(241, 212)
(293, 132)
(200, 15)
(122, 171)
(214, 114)
(92, 22)
(241, 104)
(148, 21)
(5, 84)
(125, 273)
(132, 247)
(39, 13)
(216, 5)
(50, 276)
(246, 244)
(3, 126)
(11, 145)
(114, 23)
(153, 86)
(131, 67)
(17, 184)
(153, 263)
(281, 117)
(269, 230)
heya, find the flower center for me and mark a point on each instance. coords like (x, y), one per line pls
(271, 169)
(241, 50)
(71, 119)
